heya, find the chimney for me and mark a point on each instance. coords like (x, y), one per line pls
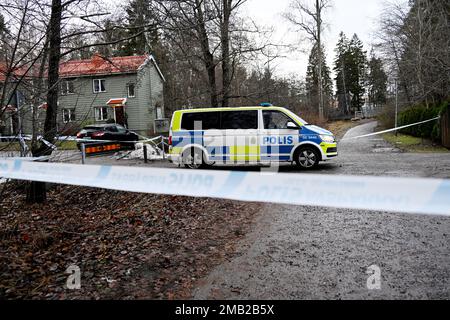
(97, 59)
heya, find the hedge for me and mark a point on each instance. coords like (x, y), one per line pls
(420, 113)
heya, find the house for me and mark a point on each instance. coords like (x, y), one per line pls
(122, 90)
(15, 96)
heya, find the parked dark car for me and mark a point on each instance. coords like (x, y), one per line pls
(111, 132)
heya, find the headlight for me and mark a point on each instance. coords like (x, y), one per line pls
(327, 138)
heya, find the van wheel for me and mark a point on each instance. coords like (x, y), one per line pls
(193, 159)
(307, 157)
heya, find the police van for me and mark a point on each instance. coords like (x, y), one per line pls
(247, 135)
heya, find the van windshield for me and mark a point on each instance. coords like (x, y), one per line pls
(296, 117)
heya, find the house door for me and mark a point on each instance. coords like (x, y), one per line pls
(119, 114)
(15, 123)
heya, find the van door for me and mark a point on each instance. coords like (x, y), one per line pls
(240, 129)
(277, 141)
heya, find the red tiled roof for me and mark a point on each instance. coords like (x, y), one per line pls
(99, 65)
(16, 73)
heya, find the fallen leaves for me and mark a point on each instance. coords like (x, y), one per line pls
(128, 245)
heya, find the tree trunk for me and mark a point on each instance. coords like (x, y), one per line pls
(319, 55)
(211, 69)
(53, 73)
(225, 40)
(207, 55)
(36, 192)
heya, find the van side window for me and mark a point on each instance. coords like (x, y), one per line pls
(209, 120)
(239, 119)
(275, 119)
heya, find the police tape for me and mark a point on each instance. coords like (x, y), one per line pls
(23, 138)
(409, 195)
(391, 130)
(42, 158)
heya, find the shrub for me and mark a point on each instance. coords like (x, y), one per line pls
(387, 117)
(421, 113)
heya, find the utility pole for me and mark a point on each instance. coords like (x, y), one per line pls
(396, 105)
(319, 56)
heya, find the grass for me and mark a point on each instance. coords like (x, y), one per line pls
(9, 146)
(409, 143)
(66, 145)
(15, 146)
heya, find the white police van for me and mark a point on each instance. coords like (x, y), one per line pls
(247, 135)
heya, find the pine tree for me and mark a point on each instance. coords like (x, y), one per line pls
(341, 63)
(312, 74)
(140, 20)
(376, 82)
(350, 69)
(112, 34)
(357, 69)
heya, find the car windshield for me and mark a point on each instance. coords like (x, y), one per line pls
(296, 117)
(120, 128)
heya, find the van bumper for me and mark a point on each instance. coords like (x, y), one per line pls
(329, 151)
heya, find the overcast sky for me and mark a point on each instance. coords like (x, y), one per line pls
(350, 16)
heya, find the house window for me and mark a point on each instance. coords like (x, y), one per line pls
(67, 87)
(99, 85)
(68, 115)
(101, 113)
(131, 93)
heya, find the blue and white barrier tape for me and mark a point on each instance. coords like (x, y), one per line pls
(391, 130)
(410, 195)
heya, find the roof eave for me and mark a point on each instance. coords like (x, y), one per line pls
(153, 60)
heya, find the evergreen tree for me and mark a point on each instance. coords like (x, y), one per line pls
(357, 69)
(113, 34)
(376, 82)
(350, 68)
(341, 77)
(140, 20)
(312, 74)
(268, 85)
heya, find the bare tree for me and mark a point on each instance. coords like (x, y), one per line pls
(30, 61)
(308, 19)
(414, 41)
(212, 38)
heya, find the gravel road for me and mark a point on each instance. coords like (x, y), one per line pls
(297, 252)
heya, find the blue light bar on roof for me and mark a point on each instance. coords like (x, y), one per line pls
(266, 104)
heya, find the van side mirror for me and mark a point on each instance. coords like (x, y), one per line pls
(293, 126)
